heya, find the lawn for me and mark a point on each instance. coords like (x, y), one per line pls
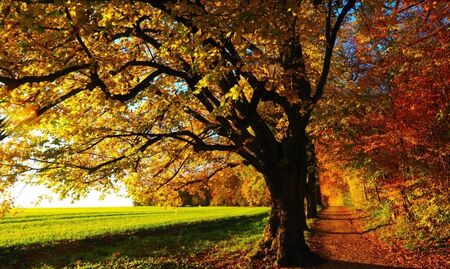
(138, 237)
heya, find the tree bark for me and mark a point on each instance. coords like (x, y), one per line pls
(378, 193)
(283, 238)
(319, 196)
(311, 200)
(406, 204)
(365, 192)
(311, 194)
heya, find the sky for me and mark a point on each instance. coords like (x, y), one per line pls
(26, 196)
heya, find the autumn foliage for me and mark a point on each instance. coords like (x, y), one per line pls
(233, 103)
(386, 148)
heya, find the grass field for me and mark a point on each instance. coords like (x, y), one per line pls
(40, 226)
(129, 237)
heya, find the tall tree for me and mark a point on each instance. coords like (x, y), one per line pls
(121, 86)
(312, 184)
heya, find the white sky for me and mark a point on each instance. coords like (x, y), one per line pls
(27, 195)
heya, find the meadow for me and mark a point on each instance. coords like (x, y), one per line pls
(134, 237)
(24, 227)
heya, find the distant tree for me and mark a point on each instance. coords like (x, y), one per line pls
(241, 186)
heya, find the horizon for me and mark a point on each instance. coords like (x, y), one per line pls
(38, 196)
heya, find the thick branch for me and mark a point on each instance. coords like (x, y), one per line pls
(331, 35)
(132, 93)
(13, 83)
(3, 133)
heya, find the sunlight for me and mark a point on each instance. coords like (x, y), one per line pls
(19, 114)
(29, 196)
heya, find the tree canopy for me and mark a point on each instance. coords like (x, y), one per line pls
(134, 74)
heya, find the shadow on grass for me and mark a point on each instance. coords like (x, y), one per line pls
(211, 244)
(174, 246)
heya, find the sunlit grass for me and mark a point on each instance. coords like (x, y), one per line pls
(203, 244)
(24, 227)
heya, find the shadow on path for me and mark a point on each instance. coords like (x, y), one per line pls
(349, 265)
(338, 236)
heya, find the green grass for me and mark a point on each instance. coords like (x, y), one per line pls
(25, 227)
(141, 237)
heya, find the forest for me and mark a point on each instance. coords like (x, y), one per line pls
(295, 105)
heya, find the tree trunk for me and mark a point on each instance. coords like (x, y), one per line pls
(283, 238)
(319, 195)
(378, 193)
(365, 192)
(406, 204)
(311, 200)
(311, 194)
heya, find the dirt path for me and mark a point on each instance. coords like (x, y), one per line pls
(338, 236)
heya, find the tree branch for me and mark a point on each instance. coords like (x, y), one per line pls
(76, 30)
(62, 98)
(164, 69)
(13, 83)
(177, 171)
(96, 80)
(3, 133)
(331, 40)
(211, 175)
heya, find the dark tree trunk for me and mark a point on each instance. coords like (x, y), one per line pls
(365, 192)
(319, 196)
(311, 188)
(406, 204)
(283, 238)
(311, 200)
(378, 193)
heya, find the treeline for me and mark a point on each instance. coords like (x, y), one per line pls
(383, 140)
(241, 186)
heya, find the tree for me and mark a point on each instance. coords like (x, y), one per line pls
(239, 186)
(312, 185)
(112, 88)
(388, 129)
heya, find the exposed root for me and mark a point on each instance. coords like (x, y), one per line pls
(268, 252)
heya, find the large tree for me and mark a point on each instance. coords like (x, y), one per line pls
(96, 91)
